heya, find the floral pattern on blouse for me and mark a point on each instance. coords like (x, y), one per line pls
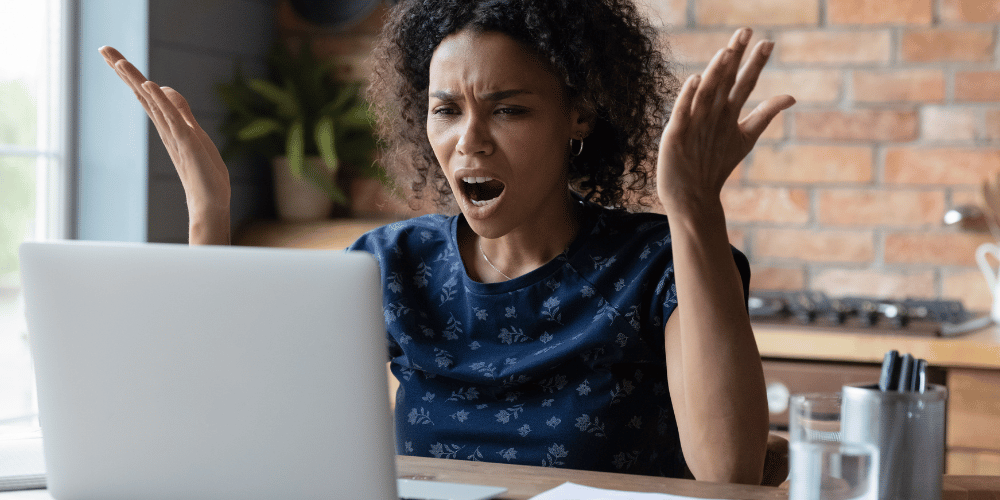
(561, 367)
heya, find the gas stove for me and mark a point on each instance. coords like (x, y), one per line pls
(929, 317)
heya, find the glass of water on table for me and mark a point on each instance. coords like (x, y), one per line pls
(822, 465)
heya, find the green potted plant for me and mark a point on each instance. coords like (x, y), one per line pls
(312, 127)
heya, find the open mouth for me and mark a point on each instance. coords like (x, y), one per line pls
(482, 191)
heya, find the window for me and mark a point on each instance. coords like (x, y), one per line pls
(34, 201)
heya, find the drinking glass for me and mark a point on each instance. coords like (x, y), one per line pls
(822, 466)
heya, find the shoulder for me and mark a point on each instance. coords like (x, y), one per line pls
(639, 241)
(426, 230)
(623, 231)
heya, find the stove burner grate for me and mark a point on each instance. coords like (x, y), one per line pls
(907, 316)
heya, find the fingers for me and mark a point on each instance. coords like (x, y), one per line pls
(711, 79)
(725, 85)
(721, 72)
(111, 56)
(748, 75)
(182, 106)
(681, 115)
(130, 75)
(126, 71)
(166, 108)
(143, 89)
(757, 120)
(737, 46)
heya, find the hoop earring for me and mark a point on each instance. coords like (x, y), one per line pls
(573, 150)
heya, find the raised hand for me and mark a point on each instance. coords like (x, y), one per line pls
(202, 172)
(719, 397)
(705, 139)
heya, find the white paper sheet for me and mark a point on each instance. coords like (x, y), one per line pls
(21, 463)
(573, 491)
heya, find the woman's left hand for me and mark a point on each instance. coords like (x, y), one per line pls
(705, 139)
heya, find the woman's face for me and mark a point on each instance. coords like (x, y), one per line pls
(499, 124)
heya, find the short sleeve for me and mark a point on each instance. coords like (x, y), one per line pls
(670, 300)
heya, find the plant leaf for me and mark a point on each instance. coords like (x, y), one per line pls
(285, 100)
(338, 195)
(345, 94)
(356, 119)
(356, 150)
(326, 142)
(232, 98)
(258, 128)
(322, 179)
(295, 149)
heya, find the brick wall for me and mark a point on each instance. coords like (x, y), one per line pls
(898, 119)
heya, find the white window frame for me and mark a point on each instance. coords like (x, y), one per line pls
(53, 150)
(53, 195)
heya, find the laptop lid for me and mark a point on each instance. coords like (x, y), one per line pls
(168, 371)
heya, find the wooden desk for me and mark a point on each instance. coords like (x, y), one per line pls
(524, 482)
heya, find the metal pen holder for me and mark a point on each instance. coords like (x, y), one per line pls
(908, 429)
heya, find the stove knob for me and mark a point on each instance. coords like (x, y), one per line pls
(805, 316)
(804, 309)
(900, 319)
(837, 313)
(896, 315)
(868, 314)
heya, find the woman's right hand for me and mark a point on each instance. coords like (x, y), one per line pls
(203, 173)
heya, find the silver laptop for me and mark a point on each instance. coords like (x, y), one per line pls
(168, 371)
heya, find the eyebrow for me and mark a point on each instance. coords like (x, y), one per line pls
(447, 95)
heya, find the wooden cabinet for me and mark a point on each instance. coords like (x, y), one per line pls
(972, 463)
(784, 378)
(973, 421)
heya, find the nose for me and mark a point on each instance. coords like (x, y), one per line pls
(475, 138)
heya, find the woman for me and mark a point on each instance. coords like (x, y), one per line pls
(537, 326)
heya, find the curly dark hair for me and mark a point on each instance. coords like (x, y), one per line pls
(604, 51)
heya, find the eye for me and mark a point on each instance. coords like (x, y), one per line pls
(510, 111)
(444, 110)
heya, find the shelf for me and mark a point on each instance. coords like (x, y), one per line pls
(332, 234)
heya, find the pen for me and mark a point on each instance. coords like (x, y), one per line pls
(890, 365)
(921, 375)
(905, 373)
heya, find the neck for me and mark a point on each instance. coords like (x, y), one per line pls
(528, 247)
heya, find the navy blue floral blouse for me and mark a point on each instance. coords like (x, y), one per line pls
(561, 367)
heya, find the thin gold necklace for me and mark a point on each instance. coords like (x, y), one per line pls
(490, 263)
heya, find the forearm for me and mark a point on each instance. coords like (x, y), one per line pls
(723, 383)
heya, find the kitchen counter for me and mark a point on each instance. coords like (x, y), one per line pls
(979, 349)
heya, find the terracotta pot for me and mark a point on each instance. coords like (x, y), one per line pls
(298, 199)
